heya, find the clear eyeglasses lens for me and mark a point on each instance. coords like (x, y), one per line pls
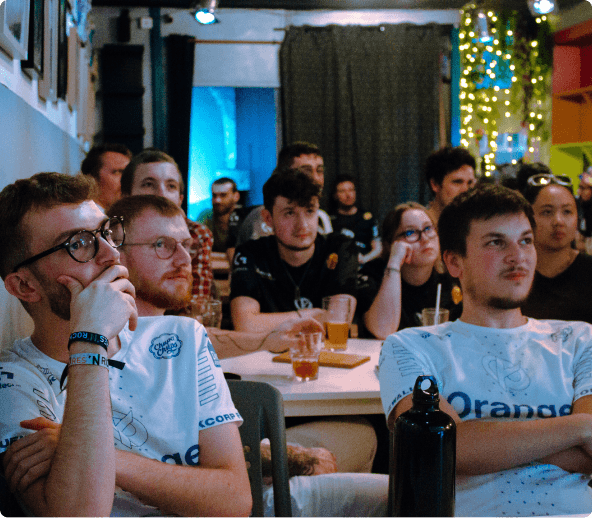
(83, 246)
(166, 246)
(411, 236)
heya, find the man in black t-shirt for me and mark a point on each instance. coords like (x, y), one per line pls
(279, 277)
(352, 222)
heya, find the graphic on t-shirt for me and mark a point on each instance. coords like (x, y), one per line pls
(511, 377)
(47, 373)
(213, 354)
(208, 390)
(564, 334)
(166, 346)
(7, 376)
(128, 431)
(303, 303)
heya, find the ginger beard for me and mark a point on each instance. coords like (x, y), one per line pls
(171, 291)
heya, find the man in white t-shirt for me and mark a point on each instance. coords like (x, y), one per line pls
(146, 425)
(518, 388)
(156, 255)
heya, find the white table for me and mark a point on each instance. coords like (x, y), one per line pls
(336, 392)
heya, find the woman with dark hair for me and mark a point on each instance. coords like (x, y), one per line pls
(563, 277)
(407, 273)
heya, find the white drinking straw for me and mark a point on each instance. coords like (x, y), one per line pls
(437, 312)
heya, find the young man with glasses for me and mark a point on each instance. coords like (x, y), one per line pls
(518, 388)
(122, 443)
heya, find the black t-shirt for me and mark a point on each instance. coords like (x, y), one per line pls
(413, 298)
(565, 296)
(259, 273)
(361, 226)
(224, 240)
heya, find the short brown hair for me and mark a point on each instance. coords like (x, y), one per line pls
(393, 219)
(131, 207)
(291, 184)
(148, 156)
(288, 153)
(93, 162)
(43, 190)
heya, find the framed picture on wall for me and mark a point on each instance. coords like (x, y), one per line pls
(14, 27)
(48, 82)
(62, 49)
(36, 29)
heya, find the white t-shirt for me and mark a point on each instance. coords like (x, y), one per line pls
(170, 388)
(530, 372)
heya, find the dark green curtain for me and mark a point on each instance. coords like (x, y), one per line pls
(180, 52)
(369, 98)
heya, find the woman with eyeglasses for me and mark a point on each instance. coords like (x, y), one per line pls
(563, 277)
(408, 273)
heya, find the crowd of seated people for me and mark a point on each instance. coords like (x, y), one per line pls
(288, 260)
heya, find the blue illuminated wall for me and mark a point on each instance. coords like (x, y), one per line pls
(233, 133)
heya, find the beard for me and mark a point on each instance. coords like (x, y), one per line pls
(160, 298)
(294, 248)
(58, 296)
(506, 303)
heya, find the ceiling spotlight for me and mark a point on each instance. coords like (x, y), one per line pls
(204, 12)
(538, 7)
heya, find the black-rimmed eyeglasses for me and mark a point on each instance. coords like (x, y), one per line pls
(83, 246)
(543, 179)
(166, 246)
(414, 235)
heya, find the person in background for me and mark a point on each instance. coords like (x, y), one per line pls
(105, 163)
(517, 388)
(154, 172)
(352, 222)
(120, 441)
(448, 171)
(224, 219)
(408, 273)
(155, 252)
(298, 155)
(286, 275)
(563, 277)
(584, 202)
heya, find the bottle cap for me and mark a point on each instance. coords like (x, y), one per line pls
(426, 390)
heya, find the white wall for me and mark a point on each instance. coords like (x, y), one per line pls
(35, 136)
(257, 65)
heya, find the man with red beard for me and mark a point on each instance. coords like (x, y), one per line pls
(157, 255)
(115, 440)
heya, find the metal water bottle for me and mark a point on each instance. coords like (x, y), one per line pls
(424, 456)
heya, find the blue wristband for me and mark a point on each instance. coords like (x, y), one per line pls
(91, 338)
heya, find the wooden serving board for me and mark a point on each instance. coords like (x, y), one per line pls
(330, 359)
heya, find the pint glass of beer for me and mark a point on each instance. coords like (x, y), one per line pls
(340, 313)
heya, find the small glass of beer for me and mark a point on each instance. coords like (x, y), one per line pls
(304, 353)
(340, 313)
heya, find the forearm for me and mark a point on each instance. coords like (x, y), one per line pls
(184, 490)
(574, 460)
(81, 480)
(256, 322)
(229, 344)
(373, 254)
(491, 446)
(384, 316)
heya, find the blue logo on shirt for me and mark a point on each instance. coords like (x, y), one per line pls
(166, 346)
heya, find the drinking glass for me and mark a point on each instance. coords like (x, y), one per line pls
(340, 313)
(304, 353)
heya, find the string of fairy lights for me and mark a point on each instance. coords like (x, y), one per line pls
(501, 76)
